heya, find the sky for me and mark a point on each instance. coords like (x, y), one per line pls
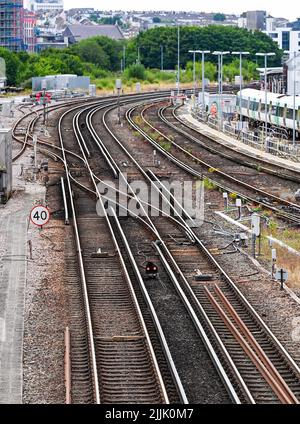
(289, 9)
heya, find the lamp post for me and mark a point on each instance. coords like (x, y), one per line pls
(220, 55)
(194, 68)
(241, 54)
(203, 53)
(44, 87)
(294, 95)
(124, 58)
(138, 55)
(161, 57)
(266, 55)
(118, 87)
(178, 59)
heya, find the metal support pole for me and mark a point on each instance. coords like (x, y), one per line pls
(241, 87)
(124, 58)
(178, 59)
(194, 71)
(119, 111)
(161, 57)
(294, 102)
(253, 245)
(203, 77)
(273, 264)
(219, 89)
(44, 104)
(266, 98)
(265, 55)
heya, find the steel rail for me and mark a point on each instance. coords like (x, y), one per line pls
(249, 307)
(163, 391)
(289, 359)
(218, 171)
(167, 353)
(221, 173)
(200, 329)
(254, 344)
(81, 268)
(56, 107)
(182, 165)
(248, 155)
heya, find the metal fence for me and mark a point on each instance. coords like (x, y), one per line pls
(272, 144)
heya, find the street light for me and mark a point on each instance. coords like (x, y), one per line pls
(124, 57)
(241, 54)
(203, 52)
(138, 55)
(178, 58)
(161, 57)
(194, 68)
(294, 96)
(266, 55)
(220, 55)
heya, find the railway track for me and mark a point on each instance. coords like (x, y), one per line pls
(183, 155)
(240, 304)
(249, 358)
(171, 116)
(123, 360)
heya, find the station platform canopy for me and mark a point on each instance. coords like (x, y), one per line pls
(270, 71)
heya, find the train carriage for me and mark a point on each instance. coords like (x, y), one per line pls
(279, 108)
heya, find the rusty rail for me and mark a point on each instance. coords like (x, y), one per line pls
(269, 373)
(68, 366)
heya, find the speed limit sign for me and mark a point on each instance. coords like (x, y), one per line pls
(39, 215)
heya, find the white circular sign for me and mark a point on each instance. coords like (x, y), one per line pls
(39, 215)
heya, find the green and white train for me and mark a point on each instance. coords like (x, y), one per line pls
(279, 108)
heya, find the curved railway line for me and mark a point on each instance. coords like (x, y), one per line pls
(187, 151)
(127, 353)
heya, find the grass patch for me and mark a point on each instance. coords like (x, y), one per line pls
(208, 184)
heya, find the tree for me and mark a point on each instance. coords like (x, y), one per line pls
(156, 20)
(212, 37)
(219, 17)
(13, 66)
(101, 51)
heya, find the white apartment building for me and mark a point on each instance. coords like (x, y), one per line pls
(36, 5)
(287, 38)
(293, 75)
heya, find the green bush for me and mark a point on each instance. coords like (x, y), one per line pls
(136, 71)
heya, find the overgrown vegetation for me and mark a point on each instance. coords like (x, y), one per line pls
(100, 57)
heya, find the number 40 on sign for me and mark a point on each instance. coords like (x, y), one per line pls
(39, 215)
